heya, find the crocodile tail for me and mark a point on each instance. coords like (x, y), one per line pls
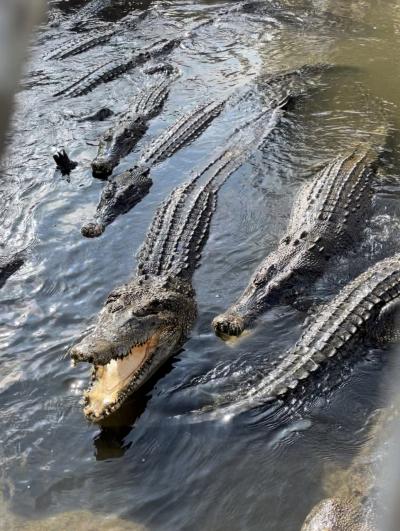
(182, 132)
(81, 44)
(111, 70)
(90, 81)
(86, 42)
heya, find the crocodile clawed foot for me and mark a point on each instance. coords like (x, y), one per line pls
(228, 325)
(64, 163)
(92, 230)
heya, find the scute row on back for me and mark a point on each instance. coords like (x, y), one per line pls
(325, 221)
(147, 319)
(325, 218)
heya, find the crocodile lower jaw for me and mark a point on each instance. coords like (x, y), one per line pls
(113, 382)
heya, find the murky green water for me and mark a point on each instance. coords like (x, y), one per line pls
(160, 464)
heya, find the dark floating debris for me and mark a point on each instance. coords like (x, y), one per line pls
(64, 163)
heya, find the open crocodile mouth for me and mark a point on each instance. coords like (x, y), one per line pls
(112, 383)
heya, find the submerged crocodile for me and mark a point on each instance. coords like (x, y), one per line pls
(82, 43)
(119, 140)
(146, 321)
(355, 502)
(366, 308)
(123, 191)
(89, 12)
(326, 219)
(114, 69)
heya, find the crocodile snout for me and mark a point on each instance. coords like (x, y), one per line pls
(97, 351)
(102, 168)
(92, 230)
(228, 324)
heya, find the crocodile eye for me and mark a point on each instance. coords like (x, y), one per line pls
(108, 193)
(265, 275)
(258, 280)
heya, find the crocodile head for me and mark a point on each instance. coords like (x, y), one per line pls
(141, 324)
(277, 280)
(120, 194)
(117, 143)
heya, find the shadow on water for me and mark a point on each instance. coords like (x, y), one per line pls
(159, 462)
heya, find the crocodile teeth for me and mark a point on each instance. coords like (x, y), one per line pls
(111, 381)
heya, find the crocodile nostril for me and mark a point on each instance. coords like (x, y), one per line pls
(79, 354)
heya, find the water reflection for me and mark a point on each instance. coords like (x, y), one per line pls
(157, 463)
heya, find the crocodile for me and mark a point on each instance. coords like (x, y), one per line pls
(353, 503)
(120, 193)
(366, 308)
(10, 265)
(125, 190)
(146, 321)
(88, 12)
(119, 140)
(326, 220)
(82, 43)
(113, 69)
